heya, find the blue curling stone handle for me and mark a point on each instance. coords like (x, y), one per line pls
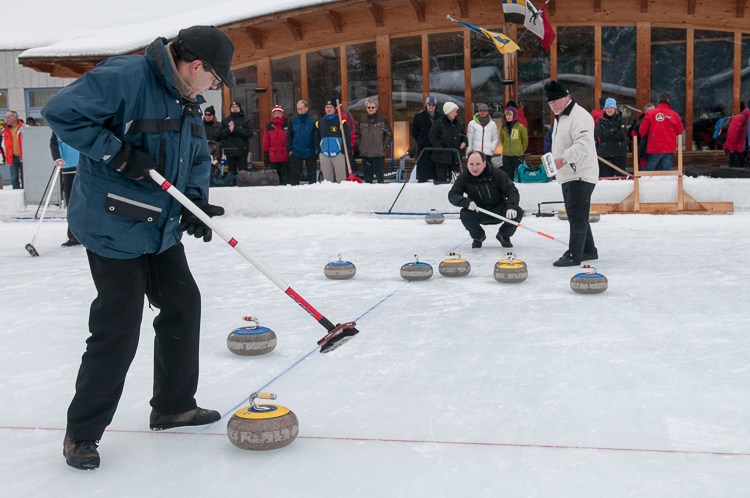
(417, 264)
(251, 330)
(589, 275)
(339, 263)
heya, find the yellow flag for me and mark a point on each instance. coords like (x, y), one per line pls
(504, 44)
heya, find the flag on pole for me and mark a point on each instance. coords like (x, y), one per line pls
(504, 44)
(536, 22)
(515, 11)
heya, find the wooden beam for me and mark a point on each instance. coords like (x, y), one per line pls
(256, 36)
(467, 77)
(463, 6)
(597, 64)
(377, 14)
(550, 7)
(383, 50)
(643, 62)
(597, 5)
(689, 77)
(741, 8)
(419, 9)
(425, 68)
(296, 28)
(265, 100)
(644, 6)
(737, 75)
(303, 72)
(512, 61)
(335, 18)
(344, 77)
(691, 7)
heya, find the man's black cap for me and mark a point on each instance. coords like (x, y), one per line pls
(555, 90)
(212, 45)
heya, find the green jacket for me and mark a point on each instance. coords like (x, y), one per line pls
(514, 144)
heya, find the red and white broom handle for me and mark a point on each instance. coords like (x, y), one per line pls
(519, 225)
(172, 190)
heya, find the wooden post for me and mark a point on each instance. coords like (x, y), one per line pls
(425, 68)
(597, 64)
(383, 50)
(265, 100)
(680, 192)
(689, 88)
(737, 68)
(303, 71)
(344, 78)
(636, 174)
(467, 78)
(643, 61)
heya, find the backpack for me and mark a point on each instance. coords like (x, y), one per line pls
(257, 178)
(527, 174)
(720, 130)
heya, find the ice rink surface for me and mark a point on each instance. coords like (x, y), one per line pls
(454, 387)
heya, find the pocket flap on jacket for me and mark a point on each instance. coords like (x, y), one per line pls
(131, 209)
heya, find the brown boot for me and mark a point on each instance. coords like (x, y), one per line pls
(81, 455)
(196, 416)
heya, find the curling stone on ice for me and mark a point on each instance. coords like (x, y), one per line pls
(589, 282)
(262, 427)
(340, 270)
(434, 218)
(593, 216)
(416, 270)
(454, 266)
(510, 270)
(251, 341)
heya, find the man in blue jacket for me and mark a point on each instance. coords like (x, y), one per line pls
(330, 144)
(129, 115)
(66, 158)
(300, 143)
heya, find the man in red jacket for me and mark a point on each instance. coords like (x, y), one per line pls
(12, 143)
(662, 125)
(734, 146)
(274, 146)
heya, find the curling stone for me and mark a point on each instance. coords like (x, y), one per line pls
(510, 259)
(510, 273)
(416, 270)
(340, 270)
(593, 216)
(434, 218)
(251, 341)
(589, 282)
(262, 427)
(454, 266)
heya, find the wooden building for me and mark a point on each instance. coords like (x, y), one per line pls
(404, 50)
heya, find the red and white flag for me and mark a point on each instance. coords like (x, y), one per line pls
(536, 22)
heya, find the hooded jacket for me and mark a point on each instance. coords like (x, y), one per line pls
(132, 98)
(662, 125)
(736, 132)
(235, 143)
(300, 137)
(515, 142)
(484, 138)
(490, 189)
(420, 127)
(274, 140)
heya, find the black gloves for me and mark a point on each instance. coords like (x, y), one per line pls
(134, 163)
(267, 159)
(191, 224)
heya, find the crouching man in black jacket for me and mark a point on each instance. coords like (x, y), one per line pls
(489, 188)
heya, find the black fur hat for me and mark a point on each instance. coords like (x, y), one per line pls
(555, 90)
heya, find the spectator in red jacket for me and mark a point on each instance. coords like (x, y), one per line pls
(734, 146)
(598, 113)
(519, 113)
(275, 154)
(661, 125)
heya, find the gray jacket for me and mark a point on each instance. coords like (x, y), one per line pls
(373, 135)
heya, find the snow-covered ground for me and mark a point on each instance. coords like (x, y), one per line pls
(454, 387)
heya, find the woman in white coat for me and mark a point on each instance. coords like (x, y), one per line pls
(482, 133)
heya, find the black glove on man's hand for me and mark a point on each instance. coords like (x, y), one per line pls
(133, 163)
(191, 224)
(267, 160)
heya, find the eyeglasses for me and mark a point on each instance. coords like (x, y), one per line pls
(208, 114)
(371, 107)
(217, 80)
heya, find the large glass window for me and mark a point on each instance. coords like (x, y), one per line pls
(669, 65)
(533, 73)
(486, 74)
(713, 83)
(619, 69)
(361, 75)
(35, 100)
(745, 70)
(244, 94)
(446, 55)
(286, 74)
(406, 78)
(575, 63)
(323, 79)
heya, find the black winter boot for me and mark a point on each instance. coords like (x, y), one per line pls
(196, 416)
(566, 260)
(503, 241)
(477, 243)
(81, 455)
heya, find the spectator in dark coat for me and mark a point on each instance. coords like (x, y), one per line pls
(489, 188)
(642, 142)
(374, 135)
(211, 124)
(300, 143)
(548, 139)
(735, 147)
(447, 132)
(612, 140)
(235, 135)
(275, 155)
(420, 131)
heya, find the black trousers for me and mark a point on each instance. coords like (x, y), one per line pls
(68, 175)
(511, 164)
(283, 170)
(737, 159)
(373, 166)
(295, 169)
(115, 323)
(577, 197)
(236, 163)
(443, 171)
(425, 166)
(606, 171)
(474, 220)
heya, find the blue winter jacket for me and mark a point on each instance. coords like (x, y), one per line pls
(131, 98)
(300, 137)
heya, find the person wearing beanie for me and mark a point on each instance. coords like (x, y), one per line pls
(300, 143)
(598, 113)
(420, 132)
(574, 153)
(447, 132)
(612, 140)
(519, 113)
(515, 140)
(235, 135)
(212, 128)
(133, 115)
(330, 143)
(275, 155)
(482, 134)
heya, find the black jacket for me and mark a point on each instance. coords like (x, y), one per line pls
(420, 127)
(212, 130)
(447, 134)
(235, 143)
(612, 135)
(488, 190)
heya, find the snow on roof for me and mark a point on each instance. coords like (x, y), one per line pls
(123, 37)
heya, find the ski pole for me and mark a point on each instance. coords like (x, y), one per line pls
(519, 225)
(30, 247)
(54, 170)
(337, 334)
